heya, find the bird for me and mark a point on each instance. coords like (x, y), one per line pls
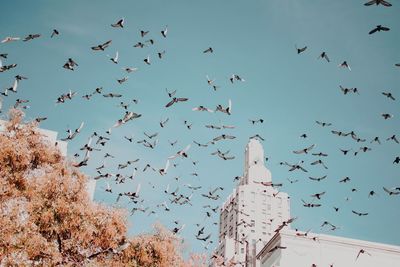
(161, 54)
(324, 124)
(163, 123)
(176, 100)
(345, 151)
(170, 93)
(318, 178)
(119, 23)
(129, 69)
(70, 64)
(387, 116)
(164, 32)
(360, 213)
(391, 191)
(362, 251)
(54, 33)
(115, 58)
(304, 150)
(301, 50)
(378, 2)
(143, 33)
(318, 195)
(10, 39)
(31, 37)
(379, 28)
(393, 137)
(202, 108)
(388, 95)
(147, 60)
(344, 64)
(181, 153)
(323, 55)
(72, 134)
(101, 47)
(208, 50)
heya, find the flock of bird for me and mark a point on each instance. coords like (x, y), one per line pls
(183, 193)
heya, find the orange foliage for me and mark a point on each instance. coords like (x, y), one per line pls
(47, 218)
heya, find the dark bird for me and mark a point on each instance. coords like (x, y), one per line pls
(393, 137)
(101, 46)
(323, 124)
(387, 116)
(388, 95)
(362, 251)
(360, 213)
(379, 28)
(378, 2)
(324, 56)
(54, 33)
(118, 24)
(301, 50)
(31, 37)
(391, 191)
(143, 33)
(176, 100)
(318, 178)
(208, 50)
(344, 64)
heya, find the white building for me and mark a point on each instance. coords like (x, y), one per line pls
(290, 248)
(51, 136)
(255, 209)
(252, 212)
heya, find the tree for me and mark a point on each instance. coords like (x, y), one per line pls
(47, 218)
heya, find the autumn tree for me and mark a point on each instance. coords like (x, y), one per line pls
(47, 218)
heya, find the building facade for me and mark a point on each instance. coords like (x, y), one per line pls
(252, 212)
(251, 215)
(290, 248)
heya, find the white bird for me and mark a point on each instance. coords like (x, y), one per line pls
(181, 153)
(108, 189)
(114, 59)
(15, 86)
(165, 169)
(10, 39)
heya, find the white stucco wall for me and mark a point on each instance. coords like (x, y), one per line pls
(327, 251)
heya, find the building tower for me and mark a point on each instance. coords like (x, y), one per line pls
(252, 211)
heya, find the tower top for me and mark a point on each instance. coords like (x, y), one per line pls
(254, 168)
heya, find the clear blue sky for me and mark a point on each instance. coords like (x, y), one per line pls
(255, 39)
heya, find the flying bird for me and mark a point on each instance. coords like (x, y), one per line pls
(378, 2)
(379, 28)
(301, 50)
(164, 32)
(119, 23)
(176, 100)
(54, 33)
(101, 47)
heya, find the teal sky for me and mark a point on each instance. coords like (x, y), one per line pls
(254, 39)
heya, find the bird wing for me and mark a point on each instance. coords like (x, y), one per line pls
(15, 85)
(166, 166)
(170, 103)
(369, 3)
(373, 31)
